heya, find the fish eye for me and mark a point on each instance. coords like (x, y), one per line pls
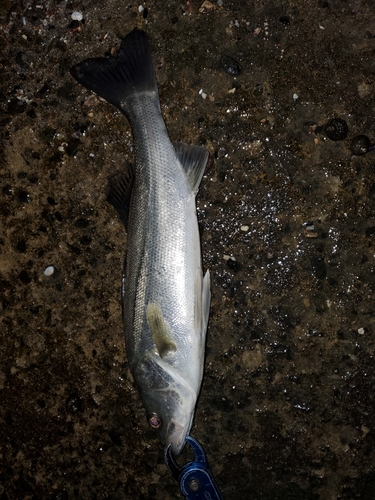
(154, 421)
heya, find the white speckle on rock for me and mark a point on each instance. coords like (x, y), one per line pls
(244, 228)
(361, 331)
(141, 8)
(77, 16)
(49, 270)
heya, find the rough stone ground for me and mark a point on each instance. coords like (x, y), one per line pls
(287, 403)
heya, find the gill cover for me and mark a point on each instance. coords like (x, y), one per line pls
(165, 394)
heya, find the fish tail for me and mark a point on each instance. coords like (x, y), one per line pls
(120, 77)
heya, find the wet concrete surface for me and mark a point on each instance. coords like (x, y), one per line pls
(287, 218)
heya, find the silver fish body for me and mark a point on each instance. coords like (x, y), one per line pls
(166, 299)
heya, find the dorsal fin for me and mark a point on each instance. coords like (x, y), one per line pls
(119, 191)
(193, 159)
(160, 330)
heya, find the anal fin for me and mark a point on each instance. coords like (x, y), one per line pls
(202, 304)
(206, 301)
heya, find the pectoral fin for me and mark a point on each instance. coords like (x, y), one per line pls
(160, 330)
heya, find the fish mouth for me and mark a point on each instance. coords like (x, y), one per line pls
(176, 436)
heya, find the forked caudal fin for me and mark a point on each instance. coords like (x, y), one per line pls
(118, 77)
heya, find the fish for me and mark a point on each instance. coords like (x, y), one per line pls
(165, 296)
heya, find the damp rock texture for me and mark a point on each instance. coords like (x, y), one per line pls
(287, 218)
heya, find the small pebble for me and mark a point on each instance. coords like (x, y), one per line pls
(336, 129)
(310, 233)
(309, 230)
(360, 145)
(49, 270)
(361, 331)
(77, 16)
(231, 66)
(206, 5)
(203, 94)
(244, 228)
